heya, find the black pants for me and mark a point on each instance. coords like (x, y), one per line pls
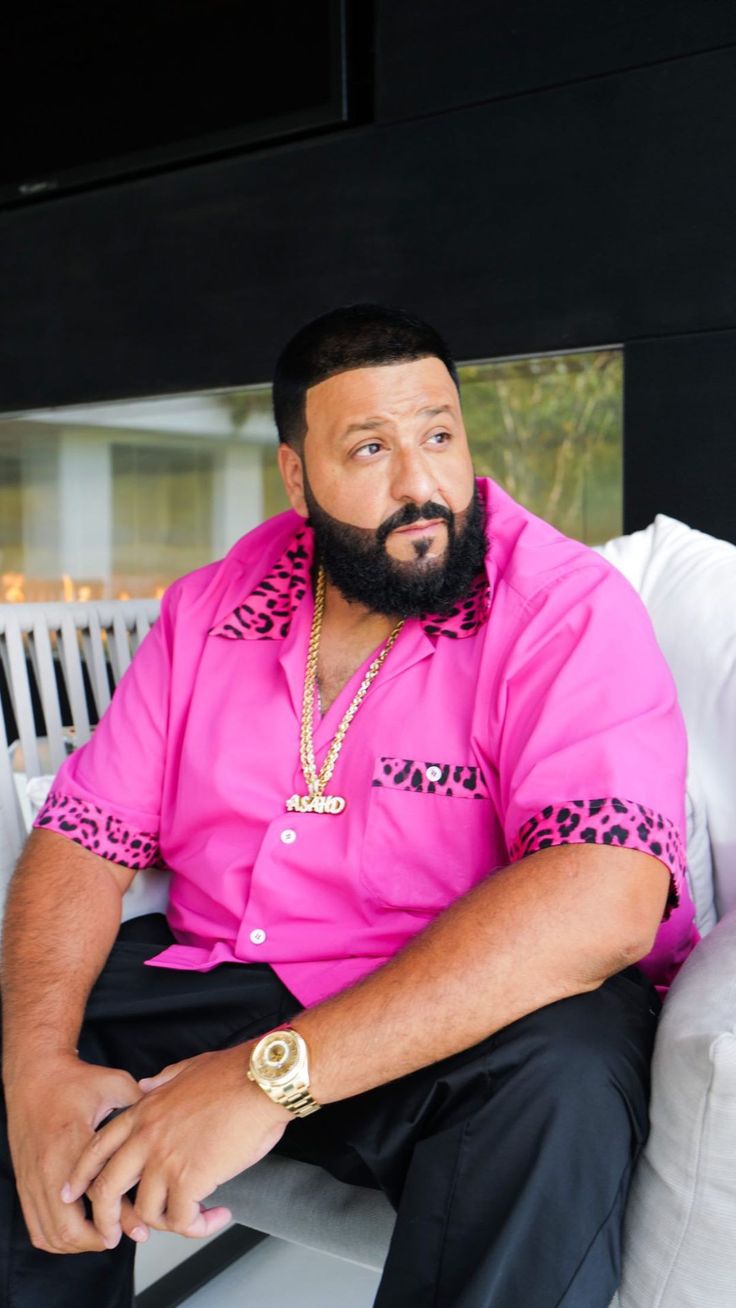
(508, 1164)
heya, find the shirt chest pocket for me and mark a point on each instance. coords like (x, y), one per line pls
(429, 833)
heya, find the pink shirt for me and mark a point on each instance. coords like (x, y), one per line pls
(541, 712)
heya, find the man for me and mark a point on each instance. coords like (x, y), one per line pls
(417, 767)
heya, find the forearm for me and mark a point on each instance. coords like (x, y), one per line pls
(61, 918)
(555, 926)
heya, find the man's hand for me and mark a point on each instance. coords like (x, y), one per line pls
(199, 1123)
(53, 1110)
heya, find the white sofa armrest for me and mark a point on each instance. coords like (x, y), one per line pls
(679, 1246)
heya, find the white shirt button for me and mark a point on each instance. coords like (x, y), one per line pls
(433, 773)
(257, 936)
(288, 836)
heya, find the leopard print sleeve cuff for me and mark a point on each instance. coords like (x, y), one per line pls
(101, 832)
(621, 822)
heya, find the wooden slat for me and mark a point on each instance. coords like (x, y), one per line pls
(142, 625)
(119, 642)
(96, 661)
(71, 656)
(12, 829)
(49, 691)
(20, 693)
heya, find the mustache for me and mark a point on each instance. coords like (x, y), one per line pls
(412, 513)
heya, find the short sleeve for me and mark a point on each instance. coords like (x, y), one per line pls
(593, 744)
(106, 796)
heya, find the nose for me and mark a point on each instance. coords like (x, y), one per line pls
(413, 478)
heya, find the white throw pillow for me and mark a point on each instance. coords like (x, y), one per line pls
(687, 580)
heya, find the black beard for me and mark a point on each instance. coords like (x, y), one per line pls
(357, 563)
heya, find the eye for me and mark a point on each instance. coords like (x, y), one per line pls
(440, 437)
(365, 451)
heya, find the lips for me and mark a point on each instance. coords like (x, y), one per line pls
(418, 528)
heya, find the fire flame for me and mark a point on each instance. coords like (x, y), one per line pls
(16, 588)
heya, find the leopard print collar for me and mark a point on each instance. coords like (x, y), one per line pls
(266, 613)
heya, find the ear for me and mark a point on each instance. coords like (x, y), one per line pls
(292, 475)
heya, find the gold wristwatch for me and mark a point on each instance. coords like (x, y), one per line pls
(279, 1065)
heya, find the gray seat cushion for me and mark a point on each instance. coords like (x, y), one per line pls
(304, 1204)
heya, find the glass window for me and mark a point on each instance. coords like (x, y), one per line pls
(550, 431)
(115, 500)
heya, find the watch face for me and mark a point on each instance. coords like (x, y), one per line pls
(276, 1056)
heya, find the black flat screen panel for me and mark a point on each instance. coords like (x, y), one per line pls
(99, 88)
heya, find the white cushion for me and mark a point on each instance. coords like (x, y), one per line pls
(699, 857)
(679, 1245)
(687, 580)
(36, 793)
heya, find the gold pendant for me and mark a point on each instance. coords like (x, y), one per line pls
(316, 804)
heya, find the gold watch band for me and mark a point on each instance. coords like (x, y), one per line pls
(279, 1065)
(296, 1098)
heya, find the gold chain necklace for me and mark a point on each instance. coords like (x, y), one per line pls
(316, 801)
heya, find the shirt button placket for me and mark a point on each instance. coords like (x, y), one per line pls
(258, 936)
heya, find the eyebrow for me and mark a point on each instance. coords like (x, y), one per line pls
(373, 424)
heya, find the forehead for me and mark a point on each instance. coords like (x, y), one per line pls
(391, 392)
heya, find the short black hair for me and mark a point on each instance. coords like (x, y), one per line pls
(353, 336)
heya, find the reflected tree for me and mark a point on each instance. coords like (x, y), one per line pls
(549, 430)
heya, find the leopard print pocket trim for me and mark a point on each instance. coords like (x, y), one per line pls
(98, 831)
(458, 780)
(621, 822)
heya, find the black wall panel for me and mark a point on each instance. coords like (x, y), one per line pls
(557, 220)
(440, 54)
(680, 414)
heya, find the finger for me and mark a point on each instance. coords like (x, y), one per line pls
(67, 1231)
(104, 1119)
(40, 1228)
(35, 1209)
(208, 1222)
(120, 1092)
(52, 1225)
(77, 1237)
(167, 1209)
(131, 1223)
(108, 1188)
(148, 1083)
(150, 1201)
(95, 1155)
(182, 1212)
